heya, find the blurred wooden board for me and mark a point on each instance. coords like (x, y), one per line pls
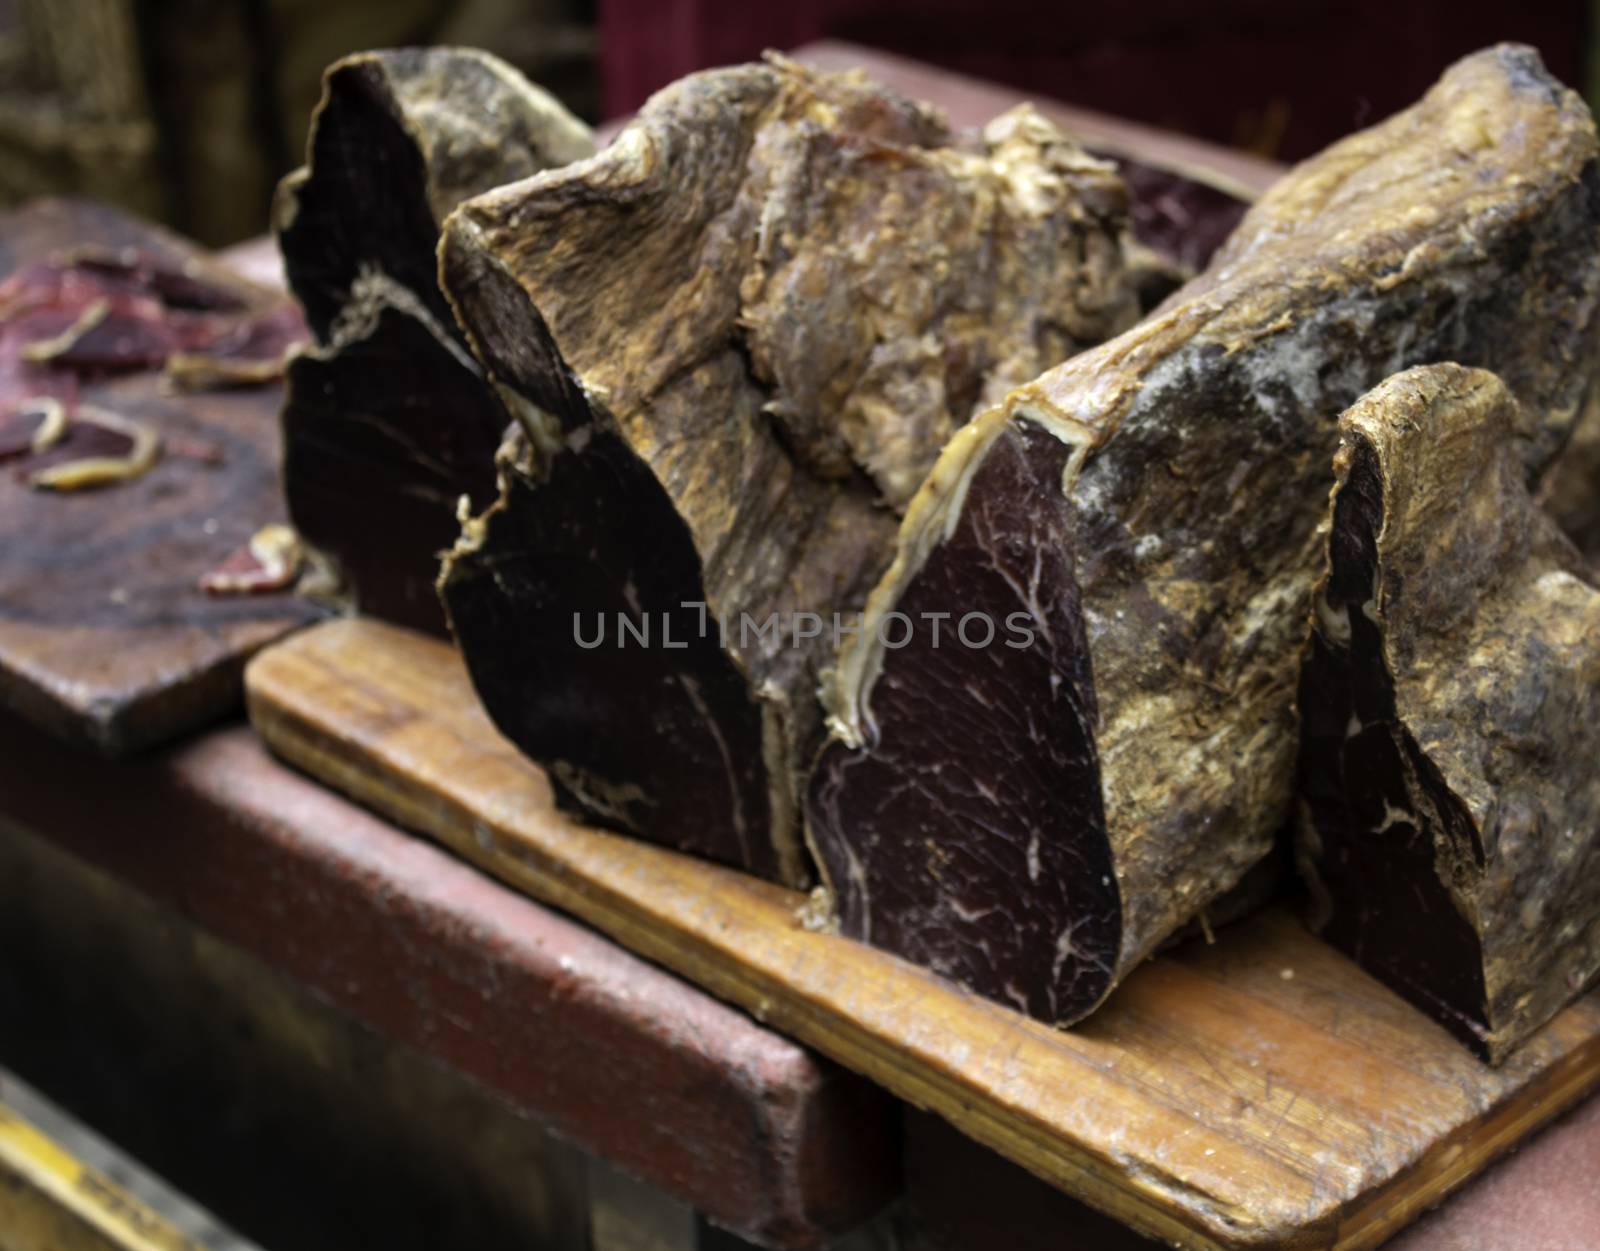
(105, 636)
(1261, 1092)
(64, 1188)
(973, 102)
(434, 965)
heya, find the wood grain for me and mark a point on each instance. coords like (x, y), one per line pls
(1259, 1092)
(105, 637)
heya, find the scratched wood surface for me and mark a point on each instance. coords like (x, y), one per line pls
(105, 636)
(1261, 1092)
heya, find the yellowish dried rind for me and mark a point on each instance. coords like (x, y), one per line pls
(1488, 627)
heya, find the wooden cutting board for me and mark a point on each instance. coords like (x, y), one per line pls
(1258, 1092)
(105, 637)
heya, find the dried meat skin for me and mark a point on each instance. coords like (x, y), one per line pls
(1451, 711)
(760, 312)
(1155, 727)
(389, 421)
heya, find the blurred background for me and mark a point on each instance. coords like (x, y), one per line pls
(188, 111)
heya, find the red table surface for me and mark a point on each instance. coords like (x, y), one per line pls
(619, 1057)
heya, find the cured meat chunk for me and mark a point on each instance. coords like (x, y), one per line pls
(389, 421)
(1451, 705)
(400, 138)
(1031, 817)
(749, 325)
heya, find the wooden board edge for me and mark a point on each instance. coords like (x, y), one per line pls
(1160, 1207)
(123, 725)
(1460, 1156)
(300, 742)
(49, 1198)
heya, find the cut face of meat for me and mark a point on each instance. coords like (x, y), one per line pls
(746, 328)
(389, 422)
(1451, 711)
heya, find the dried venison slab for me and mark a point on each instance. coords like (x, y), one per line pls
(398, 139)
(742, 333)
(1032, 820)
(1451, 712)
(384, 432)
(389, 420)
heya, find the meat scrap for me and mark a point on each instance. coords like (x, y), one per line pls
(96, 312)
(1032, 821)
(737, 338)
(88, 313)
(270, 561)
(34, 425)
(1451, 712)
(142, 451)
(252, 352)
(389, 422)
